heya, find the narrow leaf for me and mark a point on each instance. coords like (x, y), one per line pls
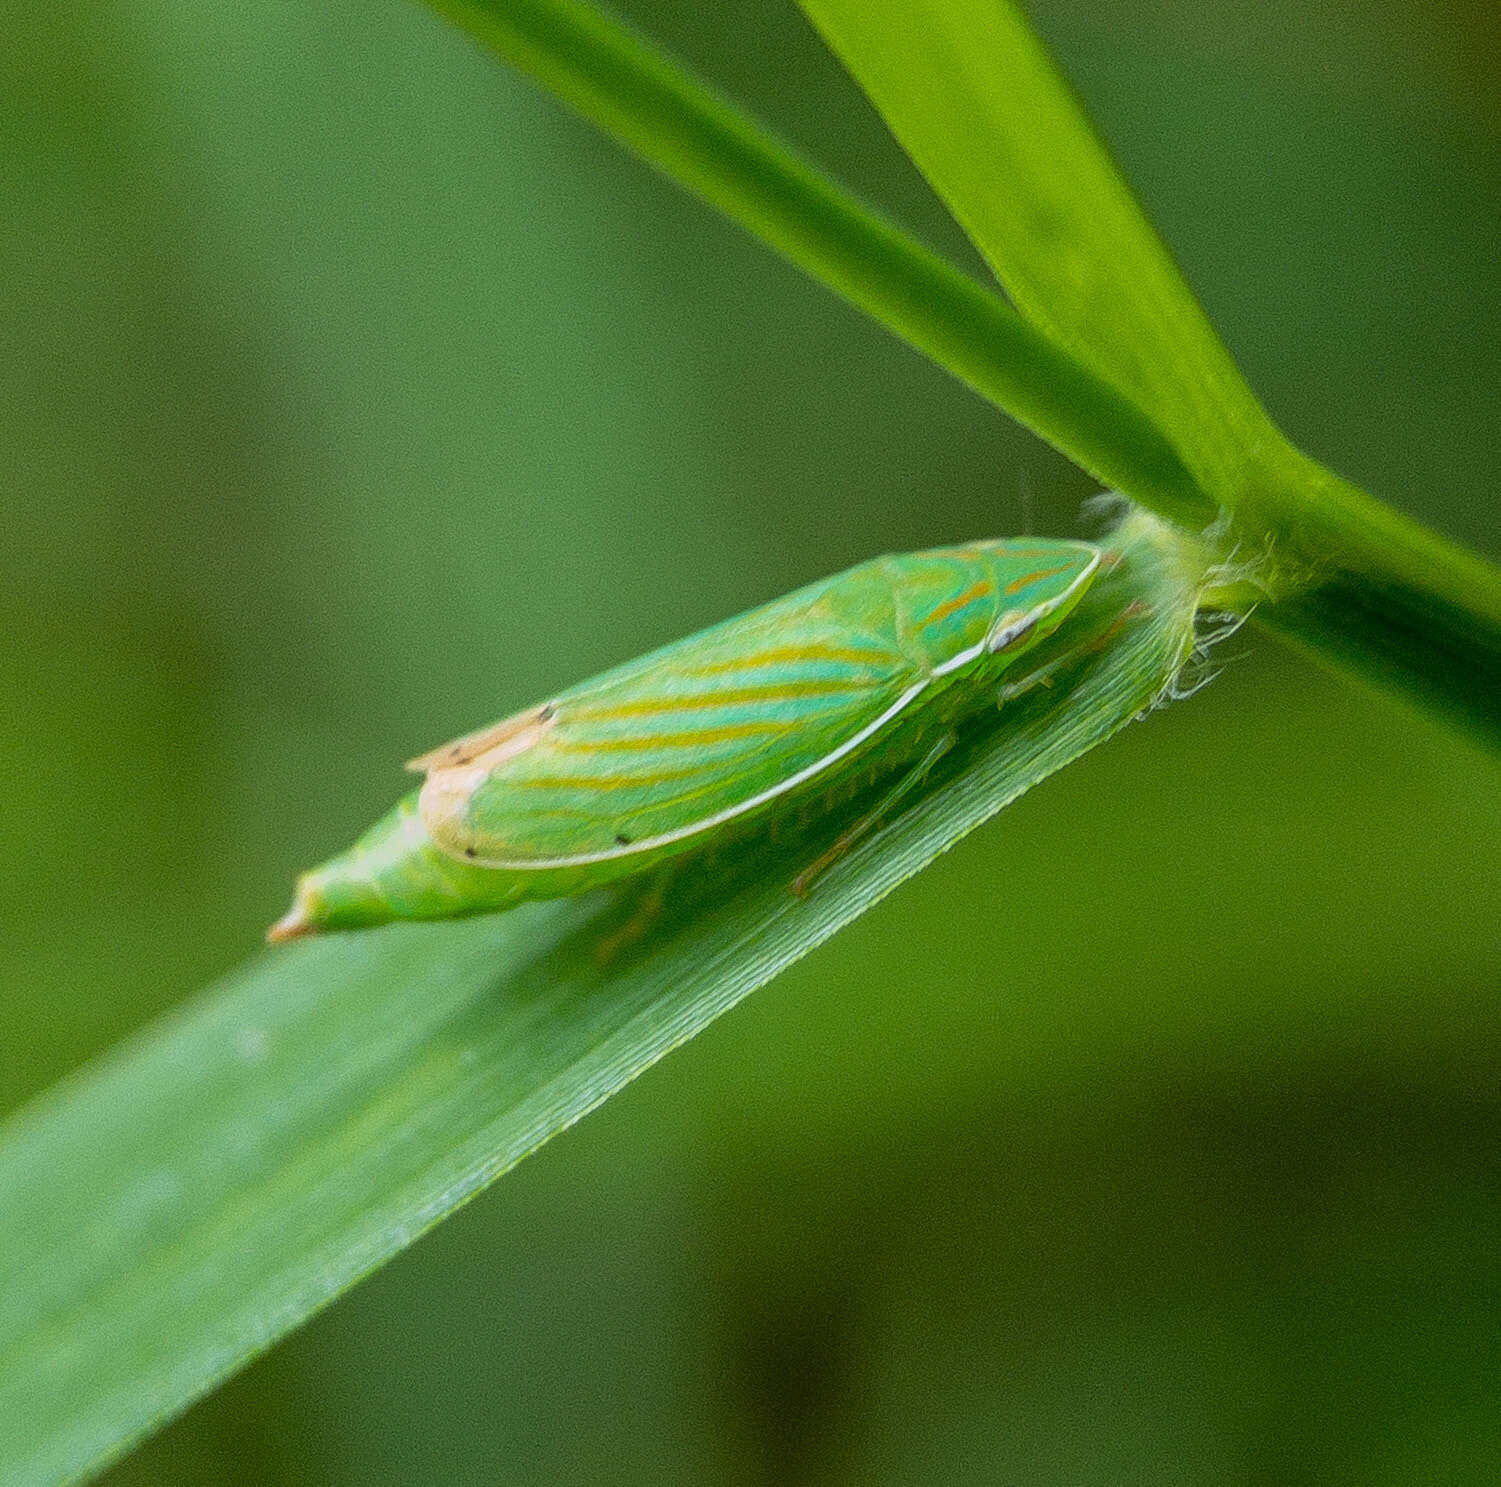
(174, 1209)
(970, 93)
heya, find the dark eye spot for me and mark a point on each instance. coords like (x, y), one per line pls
(470, 852)
(1012, 634)
(546, 713)
(621, 839)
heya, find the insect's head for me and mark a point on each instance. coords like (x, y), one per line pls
(1053, 576)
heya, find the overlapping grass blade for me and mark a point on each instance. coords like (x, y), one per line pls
(972, 96)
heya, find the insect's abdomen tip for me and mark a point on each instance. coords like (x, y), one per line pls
(295, 923)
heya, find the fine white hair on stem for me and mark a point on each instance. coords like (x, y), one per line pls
(1214, 587)
(1239, 568)
(1211, 628)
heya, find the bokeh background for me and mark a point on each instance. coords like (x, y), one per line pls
(352, 394)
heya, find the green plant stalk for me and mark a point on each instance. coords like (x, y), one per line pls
(1361, 586)
(1368, 590)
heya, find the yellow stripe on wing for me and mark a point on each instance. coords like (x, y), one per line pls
(698, 738)
(961, 601)
(1028, 579)
(648, 706)
(604, 782)
(792, 655)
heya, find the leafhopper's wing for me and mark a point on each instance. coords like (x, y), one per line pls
(688, 737)
(648, 759)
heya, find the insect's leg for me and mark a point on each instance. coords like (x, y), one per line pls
(1042, 677)
(883, 808)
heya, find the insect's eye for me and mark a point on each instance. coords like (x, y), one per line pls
(1011, 634)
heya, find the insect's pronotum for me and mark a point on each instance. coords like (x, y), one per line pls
(708, 738)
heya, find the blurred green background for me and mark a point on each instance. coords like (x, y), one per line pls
(353, 394)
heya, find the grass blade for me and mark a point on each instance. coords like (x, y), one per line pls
(969, 92)
(174, 1209)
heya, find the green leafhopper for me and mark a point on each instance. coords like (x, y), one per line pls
(861, 675)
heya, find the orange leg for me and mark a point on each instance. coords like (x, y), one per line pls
(847, 839)
(647, 911)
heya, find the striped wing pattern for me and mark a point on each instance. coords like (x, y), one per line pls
(693, 731)
(613, 776)
(699, 732)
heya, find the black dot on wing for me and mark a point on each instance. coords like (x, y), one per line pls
(621, 839)
(470, 852)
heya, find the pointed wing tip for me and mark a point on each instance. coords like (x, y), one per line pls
(291, 926)
(298, 921)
